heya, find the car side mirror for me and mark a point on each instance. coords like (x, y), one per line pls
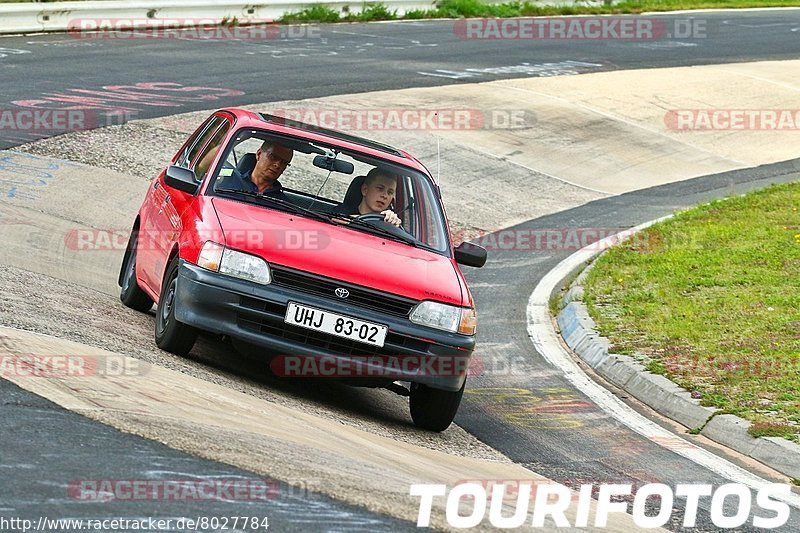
(182, 179)
(470, 255)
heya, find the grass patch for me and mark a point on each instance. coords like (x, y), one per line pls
(372, 12)
(315, 13)
(767, 429)
(554, 304)
(482, 9)
(712, 297)
(556, 301)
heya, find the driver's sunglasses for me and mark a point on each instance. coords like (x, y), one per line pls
(272, 158)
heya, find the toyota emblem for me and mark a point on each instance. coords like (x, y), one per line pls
(342, 292)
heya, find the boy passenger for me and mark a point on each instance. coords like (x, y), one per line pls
(377, 195)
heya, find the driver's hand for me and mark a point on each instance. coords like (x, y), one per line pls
(390, 217)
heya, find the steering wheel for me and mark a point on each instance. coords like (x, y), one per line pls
(371, 217)
(378, 220)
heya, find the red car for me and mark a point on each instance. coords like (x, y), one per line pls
(322, 281)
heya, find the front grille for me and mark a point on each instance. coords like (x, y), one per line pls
(268, 318)
(325, 287)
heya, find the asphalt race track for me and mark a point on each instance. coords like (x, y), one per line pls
(38, 437)
(348, 58)
(570, 440)
(579, 443)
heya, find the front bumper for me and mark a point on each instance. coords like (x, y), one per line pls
(255, 314)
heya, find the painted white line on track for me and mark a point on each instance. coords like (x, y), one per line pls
(759, 78)
(624, 121)
(382, 37)
(546, 341)
(474, 148)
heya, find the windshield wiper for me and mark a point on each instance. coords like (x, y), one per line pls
(283, 203)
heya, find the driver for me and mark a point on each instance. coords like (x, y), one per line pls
(271, 160)
(377, 194)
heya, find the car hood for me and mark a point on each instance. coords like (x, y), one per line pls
(337, 252)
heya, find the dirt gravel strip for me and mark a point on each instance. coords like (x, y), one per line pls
(222, 424)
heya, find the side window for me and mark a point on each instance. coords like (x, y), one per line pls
(407, 201)
(202, 163)
(197, 141)
(431, 224)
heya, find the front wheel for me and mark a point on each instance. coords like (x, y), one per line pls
(130, 293)
(172, 335)
(434, 409)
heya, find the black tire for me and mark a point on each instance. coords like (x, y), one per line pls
(130, 294)
(434, 409)
(171, 335)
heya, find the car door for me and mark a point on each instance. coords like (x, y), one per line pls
(150, 254)
(167, 220)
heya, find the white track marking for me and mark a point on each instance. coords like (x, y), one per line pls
(616, 118)
(545, 174)
(759, 78)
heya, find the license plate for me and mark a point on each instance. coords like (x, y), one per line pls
(333, 324)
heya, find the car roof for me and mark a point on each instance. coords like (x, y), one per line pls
(313, 132)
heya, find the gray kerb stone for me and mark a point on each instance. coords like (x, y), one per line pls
(780, 454)
(578, 331)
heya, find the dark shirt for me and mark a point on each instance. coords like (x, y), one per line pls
(243, 182)
(346, 210)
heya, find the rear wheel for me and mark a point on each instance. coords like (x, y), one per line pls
(434, 409)
(130, 293)
(172, 335)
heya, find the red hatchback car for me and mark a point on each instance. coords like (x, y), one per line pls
(275, 233)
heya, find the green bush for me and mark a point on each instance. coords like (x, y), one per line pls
(464, 8)
(315, 13)
(416, 14)
(376, 12)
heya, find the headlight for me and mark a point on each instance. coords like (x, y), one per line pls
(447, 317)
(240, 265)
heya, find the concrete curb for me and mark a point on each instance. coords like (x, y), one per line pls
(578, 331)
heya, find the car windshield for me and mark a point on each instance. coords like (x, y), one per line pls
(326, 183)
